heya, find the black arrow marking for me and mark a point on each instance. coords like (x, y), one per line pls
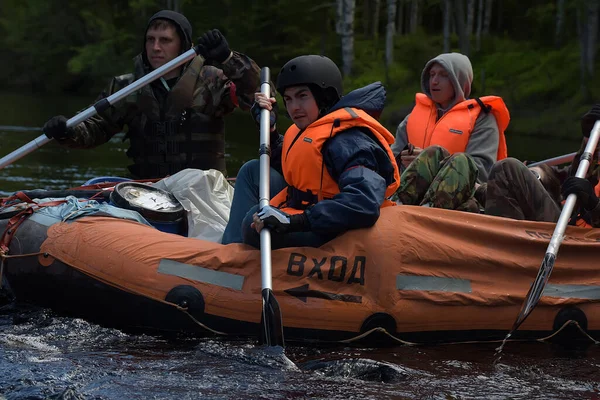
(302, 292)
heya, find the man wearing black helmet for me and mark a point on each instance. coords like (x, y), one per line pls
(176, 122)
(331, 172)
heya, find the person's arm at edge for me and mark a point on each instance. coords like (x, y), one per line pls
(101, 127)
(483, 144)
(244, 73)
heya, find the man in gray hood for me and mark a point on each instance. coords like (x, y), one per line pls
(177, 121)
(445, 116)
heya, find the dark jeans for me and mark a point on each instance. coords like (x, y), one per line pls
(245, 204)
(245, 198)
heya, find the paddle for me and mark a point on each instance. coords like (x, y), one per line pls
(102, 105)
(554, 160)
(536, 289)
(271, 332)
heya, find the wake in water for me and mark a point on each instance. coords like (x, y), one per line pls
(264, 356)
(45, 356)
(11, 128)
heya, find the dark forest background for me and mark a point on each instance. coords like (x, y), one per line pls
(539, 55)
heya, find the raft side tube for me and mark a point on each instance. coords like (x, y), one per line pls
(188, 298)
(379, 320)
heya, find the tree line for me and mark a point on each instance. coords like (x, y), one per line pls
(534, 52)
(471, 20)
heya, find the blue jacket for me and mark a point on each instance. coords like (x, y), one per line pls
(357, 162)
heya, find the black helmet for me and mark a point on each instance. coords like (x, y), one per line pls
(312, 69)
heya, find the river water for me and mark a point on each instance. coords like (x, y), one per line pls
(47, 356)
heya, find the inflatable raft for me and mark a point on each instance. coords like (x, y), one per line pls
(420, 275)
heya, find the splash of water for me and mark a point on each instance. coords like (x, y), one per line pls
(498, 353)
(265, 356)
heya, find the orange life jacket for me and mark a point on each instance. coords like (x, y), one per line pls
(453, 130)
(582, 222)
(302, 160)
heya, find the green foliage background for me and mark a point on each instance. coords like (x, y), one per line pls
(75, 46)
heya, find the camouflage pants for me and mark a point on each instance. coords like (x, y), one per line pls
(438, 179)
(514, 192)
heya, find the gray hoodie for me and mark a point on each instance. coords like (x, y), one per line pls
(484, 140)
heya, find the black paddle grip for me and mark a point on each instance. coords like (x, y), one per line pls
(265, 75)
(102, 105)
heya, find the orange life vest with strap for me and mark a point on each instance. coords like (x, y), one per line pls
(302, 161)
(453, 130)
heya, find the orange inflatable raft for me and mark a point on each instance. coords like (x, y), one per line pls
(420, 275)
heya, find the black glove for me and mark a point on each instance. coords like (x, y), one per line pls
(282, 222)
(255, 111)
(589, 119)
(56, 128)
(214, 46)
(583, 189)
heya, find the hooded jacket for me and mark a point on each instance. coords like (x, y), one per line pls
(184, 30)
(482, 136)
(357, 160)
(173, 126)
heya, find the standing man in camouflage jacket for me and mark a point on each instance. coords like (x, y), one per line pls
(176, 122)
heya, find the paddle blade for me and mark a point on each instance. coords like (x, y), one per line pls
(271, 322)
(535, 291)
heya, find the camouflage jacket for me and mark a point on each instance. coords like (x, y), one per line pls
(217, 92)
